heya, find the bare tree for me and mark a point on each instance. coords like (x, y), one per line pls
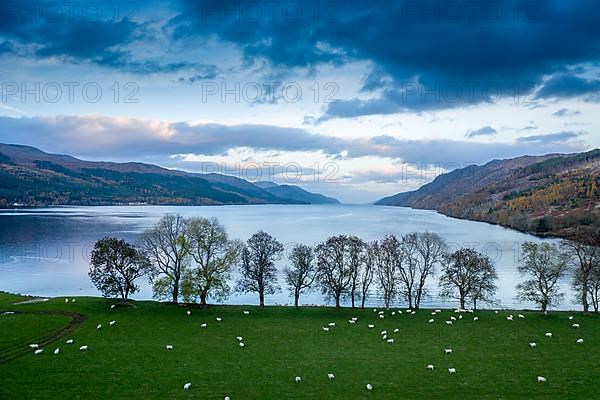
(467, 274)
(431, 249)
(168, 248)
(301, 275)
(584, 250)
(594, 288)
(546, 265)
(215, 257)
(357, 250)
(334, 267)
(409, 267)
(366, 273)
(258, 271)
(388, 257)
(115, 266)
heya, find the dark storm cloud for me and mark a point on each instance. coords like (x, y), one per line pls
(564, 86)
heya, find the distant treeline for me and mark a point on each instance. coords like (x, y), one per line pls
(193, 260)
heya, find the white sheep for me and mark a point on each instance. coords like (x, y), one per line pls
(413, 313)
(452, 370)
(371, 326)
(298, 379)
(496, 312)
(70, 341)
(331, 377)
(521, 316)
(332, 324)
(448, 351)
(430, 367)
(448, 322)
(56, 351)
(369, 387)
(189, 312)
(242, 344)
(438, 311)
(541, 379)
(532, 345)
(396, 330)
(460, 317)
(408, 310)
(325, 329)
(246, 312)
(434, 313)
(239, 338)
(169, 347)
(38, 351)
(452, 319)
(393, 313)
(570, 317)
(219, 319)
(226, 398)
(431, 321)
(475, 318)
(66, 300)
(83, 348)
(390, 341)
(384, 337)
(575, 325)
(383, 332)
(509, 318)
(400, 312)
(112, 306)
(351, 321)
(381, 312)
(354, 319)
(111, 323)
(204, 325)
(579, 341)
(381, 316)
(187, 386)
(34, 346)
(99, 326)
(73, 300)
(548, 334)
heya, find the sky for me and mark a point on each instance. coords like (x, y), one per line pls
(353, 99)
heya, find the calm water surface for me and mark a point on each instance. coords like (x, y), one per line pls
(45, 252)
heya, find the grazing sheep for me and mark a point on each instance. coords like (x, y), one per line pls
(521, 316)
(509, 318)
(438, 311)
(227, 398)
(38, 351)
(83, 348)
(400, 312)
(475, 318)
(430, 367)
(541, 379)
(34, 346)
(354, 319)
(369, 387)
(496, 312)
(351, 321)
(548, 334)
(390, 341)
(239, 338)
(532, 345)
(111, 323)
(431, 321)
(325, 329)
(187, 386)
(189, 312)
(381, 312)
(448, 351)
(575, 325)
(579, 341)
(66, 300)
(448, 322)
(112, 306)
(298, 379)
(99, 326)
(374, 310)
(471, 311)
(246, 312)
(384, 337)
(396, 330)
(452, 370)
(332, 324)
(384, 332)
(331, 377)
(570, 317)
(381, 316)
(413, 313)
(203, 325)
(393, 313)
(169, 347)
(242, 344)
(460, 317)
(219, 319)
(371, 326)
(70, 341)
(408, 310)
(56, 351)
(73, 300)
(452, 319)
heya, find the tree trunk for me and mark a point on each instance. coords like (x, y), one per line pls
(353, 300)
(584, 297)
(462, 303)
(337, 301)
(362, 302)
(203, 297)
(296, 298)
(261, 297)
(176, 292)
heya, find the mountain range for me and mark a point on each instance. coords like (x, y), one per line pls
(32, 177)
(551, 195)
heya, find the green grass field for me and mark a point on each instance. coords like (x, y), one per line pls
(129, 361)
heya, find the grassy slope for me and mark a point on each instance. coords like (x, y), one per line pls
(129, 360)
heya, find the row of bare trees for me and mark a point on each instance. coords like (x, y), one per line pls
(194, 259)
